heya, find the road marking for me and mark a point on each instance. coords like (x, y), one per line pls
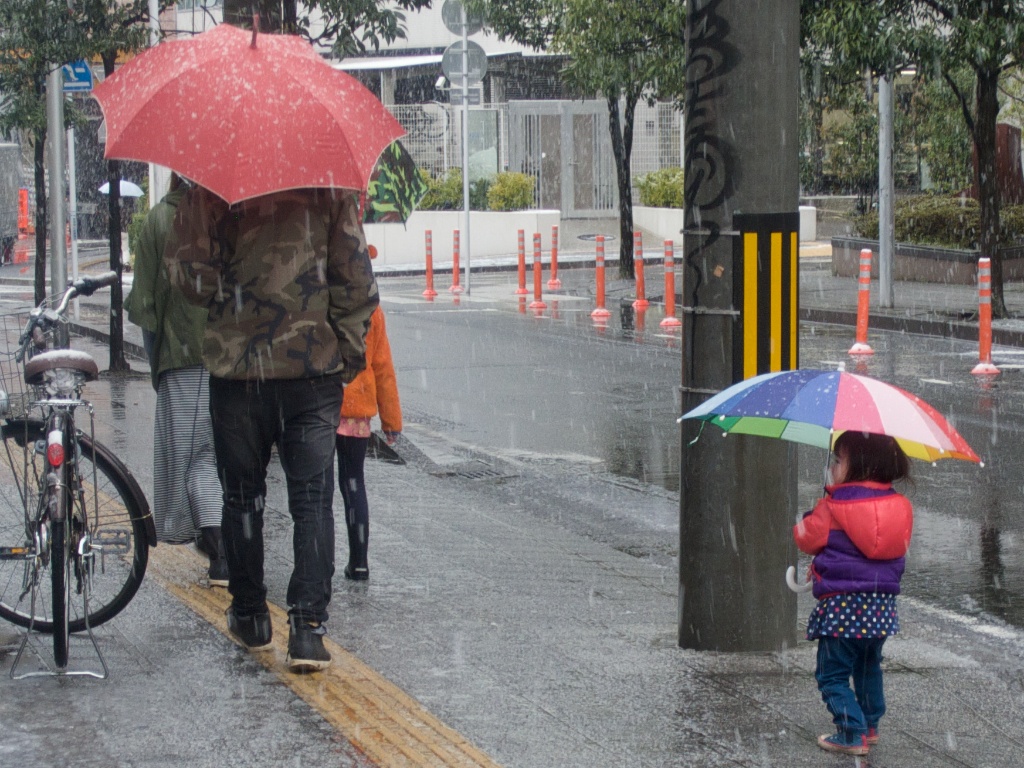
(936, 381)
(375, 715)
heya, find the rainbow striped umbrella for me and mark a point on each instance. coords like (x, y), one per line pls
(815, 407)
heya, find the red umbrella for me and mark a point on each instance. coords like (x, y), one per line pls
(245, 115)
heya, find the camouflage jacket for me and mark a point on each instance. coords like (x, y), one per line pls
(286, 279)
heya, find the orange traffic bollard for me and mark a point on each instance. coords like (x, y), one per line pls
(670, 321)
(600, 313)
(554, 283)
(521, 290)
(861, 346)
(456, 287)
(641, 302)
(985, 366)
(537, 303)
(429, 292)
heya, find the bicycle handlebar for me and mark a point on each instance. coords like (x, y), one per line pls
(43, 318)
(85, 286)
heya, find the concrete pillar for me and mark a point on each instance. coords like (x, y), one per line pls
(738, 494)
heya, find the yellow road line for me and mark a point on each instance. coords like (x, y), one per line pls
(376, 716)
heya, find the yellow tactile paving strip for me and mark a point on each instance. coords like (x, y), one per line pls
(376, 716)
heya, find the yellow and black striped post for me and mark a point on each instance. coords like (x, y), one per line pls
(766, 293)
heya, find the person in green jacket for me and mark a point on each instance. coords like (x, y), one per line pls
(187, 498)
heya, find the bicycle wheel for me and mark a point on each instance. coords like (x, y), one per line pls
(116, 513)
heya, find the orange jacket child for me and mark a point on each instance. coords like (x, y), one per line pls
(374, 389)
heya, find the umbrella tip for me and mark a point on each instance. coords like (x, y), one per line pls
(255, 28)
(841, 367)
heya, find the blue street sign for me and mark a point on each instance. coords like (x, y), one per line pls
(77, 77)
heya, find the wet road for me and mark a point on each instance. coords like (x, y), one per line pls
(542, 646)
(555, 388)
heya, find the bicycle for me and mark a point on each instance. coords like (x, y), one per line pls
(73, 519)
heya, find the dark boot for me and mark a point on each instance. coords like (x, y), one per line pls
(358, 541)
(212, 545)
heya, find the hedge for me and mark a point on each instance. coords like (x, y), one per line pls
(947, 222)
(504, 191)
(662, 189)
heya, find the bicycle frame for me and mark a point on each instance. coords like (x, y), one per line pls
(57, 513)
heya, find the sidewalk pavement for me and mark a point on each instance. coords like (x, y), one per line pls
(543, 647)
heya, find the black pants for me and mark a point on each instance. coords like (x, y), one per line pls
(351, 483)
(300, 417)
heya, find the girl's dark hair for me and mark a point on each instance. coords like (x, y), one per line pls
(877, 458)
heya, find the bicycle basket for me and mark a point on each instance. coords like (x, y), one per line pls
(12, 372)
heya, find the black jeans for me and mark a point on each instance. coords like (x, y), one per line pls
(300, 416)
(351, 483)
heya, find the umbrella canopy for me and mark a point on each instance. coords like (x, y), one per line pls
(396, 187)
(815, 407)
(128, 189)
(245, 115)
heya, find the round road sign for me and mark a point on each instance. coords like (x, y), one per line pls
(451, 15)
(451, 63)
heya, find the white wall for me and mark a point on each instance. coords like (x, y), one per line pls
(492, 235)
(667, 223)
(424, 29)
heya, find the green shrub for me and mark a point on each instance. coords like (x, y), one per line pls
(948, 222)
(662, 189)
(478, 191)
(445, 194)
(511, 191)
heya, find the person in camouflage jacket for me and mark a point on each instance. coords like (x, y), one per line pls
(289, 290)
(286, 278)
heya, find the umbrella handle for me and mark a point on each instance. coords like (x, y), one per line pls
(793, 584)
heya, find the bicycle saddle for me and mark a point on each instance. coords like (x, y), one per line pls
(60, 358)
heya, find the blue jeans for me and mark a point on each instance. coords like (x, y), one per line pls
(839, 659)
(300, 417)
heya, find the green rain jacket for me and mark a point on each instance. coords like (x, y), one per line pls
(155, 305)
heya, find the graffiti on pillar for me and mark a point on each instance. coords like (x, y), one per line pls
(710, 164)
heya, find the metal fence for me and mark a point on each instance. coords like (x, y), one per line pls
(434, 138)
(657, 139)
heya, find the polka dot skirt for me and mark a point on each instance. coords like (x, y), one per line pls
(854, 615)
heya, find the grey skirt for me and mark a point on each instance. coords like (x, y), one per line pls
(186, 489)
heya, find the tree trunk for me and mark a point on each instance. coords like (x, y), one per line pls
(117, 361)
(275, 15)
(622, 150)
(987, 110)
(39, 168)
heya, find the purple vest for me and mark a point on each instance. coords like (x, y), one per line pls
(840, 566)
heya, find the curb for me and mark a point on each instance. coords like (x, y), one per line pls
(131, 349)
(947, 329)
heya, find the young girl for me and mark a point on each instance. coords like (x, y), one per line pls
(374, 389)
(859, 534)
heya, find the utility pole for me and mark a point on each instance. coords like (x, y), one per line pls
(740, 297)
(466, 248)
(55, 171)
